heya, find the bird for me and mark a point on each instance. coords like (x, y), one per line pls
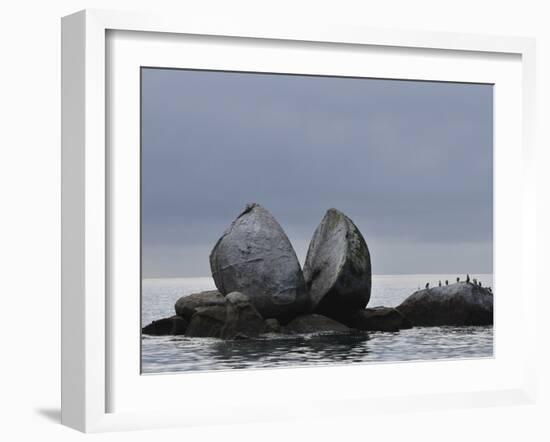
(427, 285)
(467, 277)
(440, 283)
(446, 282)
(458, 279)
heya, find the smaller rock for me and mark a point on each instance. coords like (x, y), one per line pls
(174, 325)
(386, 319)
(186, 306)
(272, 326)
(207, 322)
(238, 298)
(179, 325)
(242, 319)
(314, 324)
(462, 303)
(230, 317)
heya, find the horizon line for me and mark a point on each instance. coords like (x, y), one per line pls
(374, 274)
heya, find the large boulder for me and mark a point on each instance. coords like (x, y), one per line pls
(254, 256)
(337, 268)
(186, 306)
(314, 324)
(242, 319)
(174, 325)
(462, 303)
(386, 319)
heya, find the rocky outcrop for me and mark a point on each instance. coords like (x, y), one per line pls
(186, 306)
(337, 270)
(385, 319)
(261, 287)
(462, 303)
(314, 323)
(174, 325)
(254, 256)
(242, 319)
(213, 315)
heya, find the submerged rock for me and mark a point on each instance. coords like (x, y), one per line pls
(242, 319)
(314, 324)
(254, 256)
(174, 325)
(462, 303)
(186, 306)
(377, 319)
(337, 268)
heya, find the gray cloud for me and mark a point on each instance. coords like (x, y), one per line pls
(409, 162)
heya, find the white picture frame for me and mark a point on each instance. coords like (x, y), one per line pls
(87, 203)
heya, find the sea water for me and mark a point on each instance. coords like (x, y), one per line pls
(161, 354)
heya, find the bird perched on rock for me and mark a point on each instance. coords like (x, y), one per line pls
(446, 282)
(467, 277)
(427, 285)
(440, 283)
(458, 279)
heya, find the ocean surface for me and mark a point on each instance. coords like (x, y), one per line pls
(162, 354)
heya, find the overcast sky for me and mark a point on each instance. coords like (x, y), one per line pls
(409, 162)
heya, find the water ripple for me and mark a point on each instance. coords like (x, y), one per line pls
(174, 354)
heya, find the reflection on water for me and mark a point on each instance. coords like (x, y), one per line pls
(171, 354)
(179, 353)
